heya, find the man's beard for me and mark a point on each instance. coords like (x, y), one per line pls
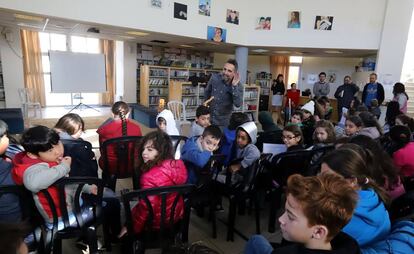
(226, 79)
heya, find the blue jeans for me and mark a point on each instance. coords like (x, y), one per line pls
(257, 244)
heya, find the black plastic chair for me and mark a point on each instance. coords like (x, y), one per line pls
(29, 214)
(317, 156)
(249, 193)
(119, 160)
(205, 192)
(83, 158)
(280, 168)
(73, 228)
(169, 230)
(177, 141)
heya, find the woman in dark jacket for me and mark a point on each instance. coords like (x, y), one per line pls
(278, 90)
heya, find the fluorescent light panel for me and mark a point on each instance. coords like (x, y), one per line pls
(137, 33)
(28, 17)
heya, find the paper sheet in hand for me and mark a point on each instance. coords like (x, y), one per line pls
(343, 118)
(274, 148)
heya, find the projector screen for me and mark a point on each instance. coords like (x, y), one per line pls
(77, 72)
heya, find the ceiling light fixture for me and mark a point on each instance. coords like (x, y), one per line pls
(137, 33)
(259, 50)
(28, 17)
(333, 52)
(213, 43)
(186, 46)
(281, 52)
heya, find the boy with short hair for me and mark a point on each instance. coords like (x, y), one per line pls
(198, 150)
(229, 135)
(42, 164)
(316, 210)
(296, 118)
(201, 122)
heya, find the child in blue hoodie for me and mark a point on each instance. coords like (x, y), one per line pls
(227, 146)
(197, 151)
(370, 222)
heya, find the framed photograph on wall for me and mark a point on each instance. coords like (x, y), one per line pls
(264, 23)
(156, 3)
(232, 17)
(294, 19)
(180, 11)
(204, 7)
(323, 22)
(216, 34)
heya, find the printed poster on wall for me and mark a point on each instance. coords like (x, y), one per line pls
(180, 11)
(294, 19)
(232, 17)
(204, 7)
(156, 3)
(216, 34)
(264, 23)
(323, 22)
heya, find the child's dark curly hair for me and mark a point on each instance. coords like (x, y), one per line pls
(161, 142)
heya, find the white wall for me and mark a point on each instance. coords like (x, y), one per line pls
(12, 65)
(130, 72)
(393, 43)
(357, 24)
(314, 65)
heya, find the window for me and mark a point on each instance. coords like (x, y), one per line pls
(51, 41)
(295, 63)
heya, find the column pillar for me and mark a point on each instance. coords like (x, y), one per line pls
(242, 54)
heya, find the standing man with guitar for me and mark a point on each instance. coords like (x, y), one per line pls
(224, 91)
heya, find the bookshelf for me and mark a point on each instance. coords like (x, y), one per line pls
(169, 83)
(250, 103)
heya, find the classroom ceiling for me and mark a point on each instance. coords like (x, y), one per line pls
(51, 24)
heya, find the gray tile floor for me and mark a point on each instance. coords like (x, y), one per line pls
(201, 230)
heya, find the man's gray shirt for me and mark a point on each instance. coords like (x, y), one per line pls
(225, 96)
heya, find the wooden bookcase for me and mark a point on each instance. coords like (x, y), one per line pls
(156, 82)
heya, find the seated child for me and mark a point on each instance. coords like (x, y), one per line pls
(165, 122)
(246, 154)
(70, 127)
(375, 109)
(308, 123)
(9, 203)
(353, 125)
(403, 156)
(229, 135)
(271, 132)
(370, 126)
(296, 119)
(198, 150)
(370, 222)
(158, 168)
(293, 138)
(323, 136)
(41, 165)
(201, 122)
(316, 209)
(117, 126)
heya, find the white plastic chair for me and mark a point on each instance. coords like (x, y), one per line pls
(25, 98)
(180, 115)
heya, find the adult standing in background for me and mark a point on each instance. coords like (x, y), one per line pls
(278, 89)
(400, 96)
(225, 91)
(372, 90)
(345, 94)
(321, 88)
